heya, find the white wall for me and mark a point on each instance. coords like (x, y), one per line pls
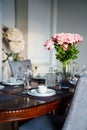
(21, 21)
(42, 22)
(39, 19)
(8, 13)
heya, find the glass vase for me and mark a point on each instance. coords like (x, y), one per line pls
(65, 74)
(64, 68)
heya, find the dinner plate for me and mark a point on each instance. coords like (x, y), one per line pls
(49, 92)
(2, 87)
(18, 82)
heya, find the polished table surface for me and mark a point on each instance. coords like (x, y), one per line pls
(14, 106)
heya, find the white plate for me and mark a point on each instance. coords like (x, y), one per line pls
(1, 86)
(34, 92)
(18, 82)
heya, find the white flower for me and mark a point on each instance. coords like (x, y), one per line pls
(16, 43)
(13, 40)
(14, 34)
(17, 47)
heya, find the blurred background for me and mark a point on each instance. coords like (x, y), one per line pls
(38, 20)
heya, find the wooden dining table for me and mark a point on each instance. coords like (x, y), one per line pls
(15, 105)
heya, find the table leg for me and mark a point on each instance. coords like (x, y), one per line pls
(14, 125)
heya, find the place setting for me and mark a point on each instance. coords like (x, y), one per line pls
(41, 91)
(12, 81)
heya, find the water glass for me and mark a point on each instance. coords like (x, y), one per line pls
(50, 79)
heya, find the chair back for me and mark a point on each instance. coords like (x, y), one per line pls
(77, 115)
(15, 66)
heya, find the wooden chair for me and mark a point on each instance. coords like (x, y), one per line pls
(76, 118)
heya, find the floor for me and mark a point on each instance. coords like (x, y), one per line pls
(7, 126)
(11, 125)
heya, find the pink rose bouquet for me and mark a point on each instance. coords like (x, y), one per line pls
(65, 44)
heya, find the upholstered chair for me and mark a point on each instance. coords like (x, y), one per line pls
(21, 66)
(76, 118)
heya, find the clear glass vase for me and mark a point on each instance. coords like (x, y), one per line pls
(66, 68)
(65, 74)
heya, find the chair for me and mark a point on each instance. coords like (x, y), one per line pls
(76, 118)
(21, 66)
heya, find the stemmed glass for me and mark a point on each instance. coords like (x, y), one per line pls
(74, 68)
(84, 70)
(36, 71)
(27, 77)
(17, 75)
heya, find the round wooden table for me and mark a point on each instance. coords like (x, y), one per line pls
(20, 107)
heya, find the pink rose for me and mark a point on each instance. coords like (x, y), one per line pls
(63, 39)
(54, 38)
(64, 46)
(49, 44)
(69, 38)
(78, 38)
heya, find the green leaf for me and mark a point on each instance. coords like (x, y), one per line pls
(70, 54)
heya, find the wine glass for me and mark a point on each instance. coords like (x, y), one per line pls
(74, 70)
(27, 77)
(36, 73)
(17, 75)
(84, 70)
